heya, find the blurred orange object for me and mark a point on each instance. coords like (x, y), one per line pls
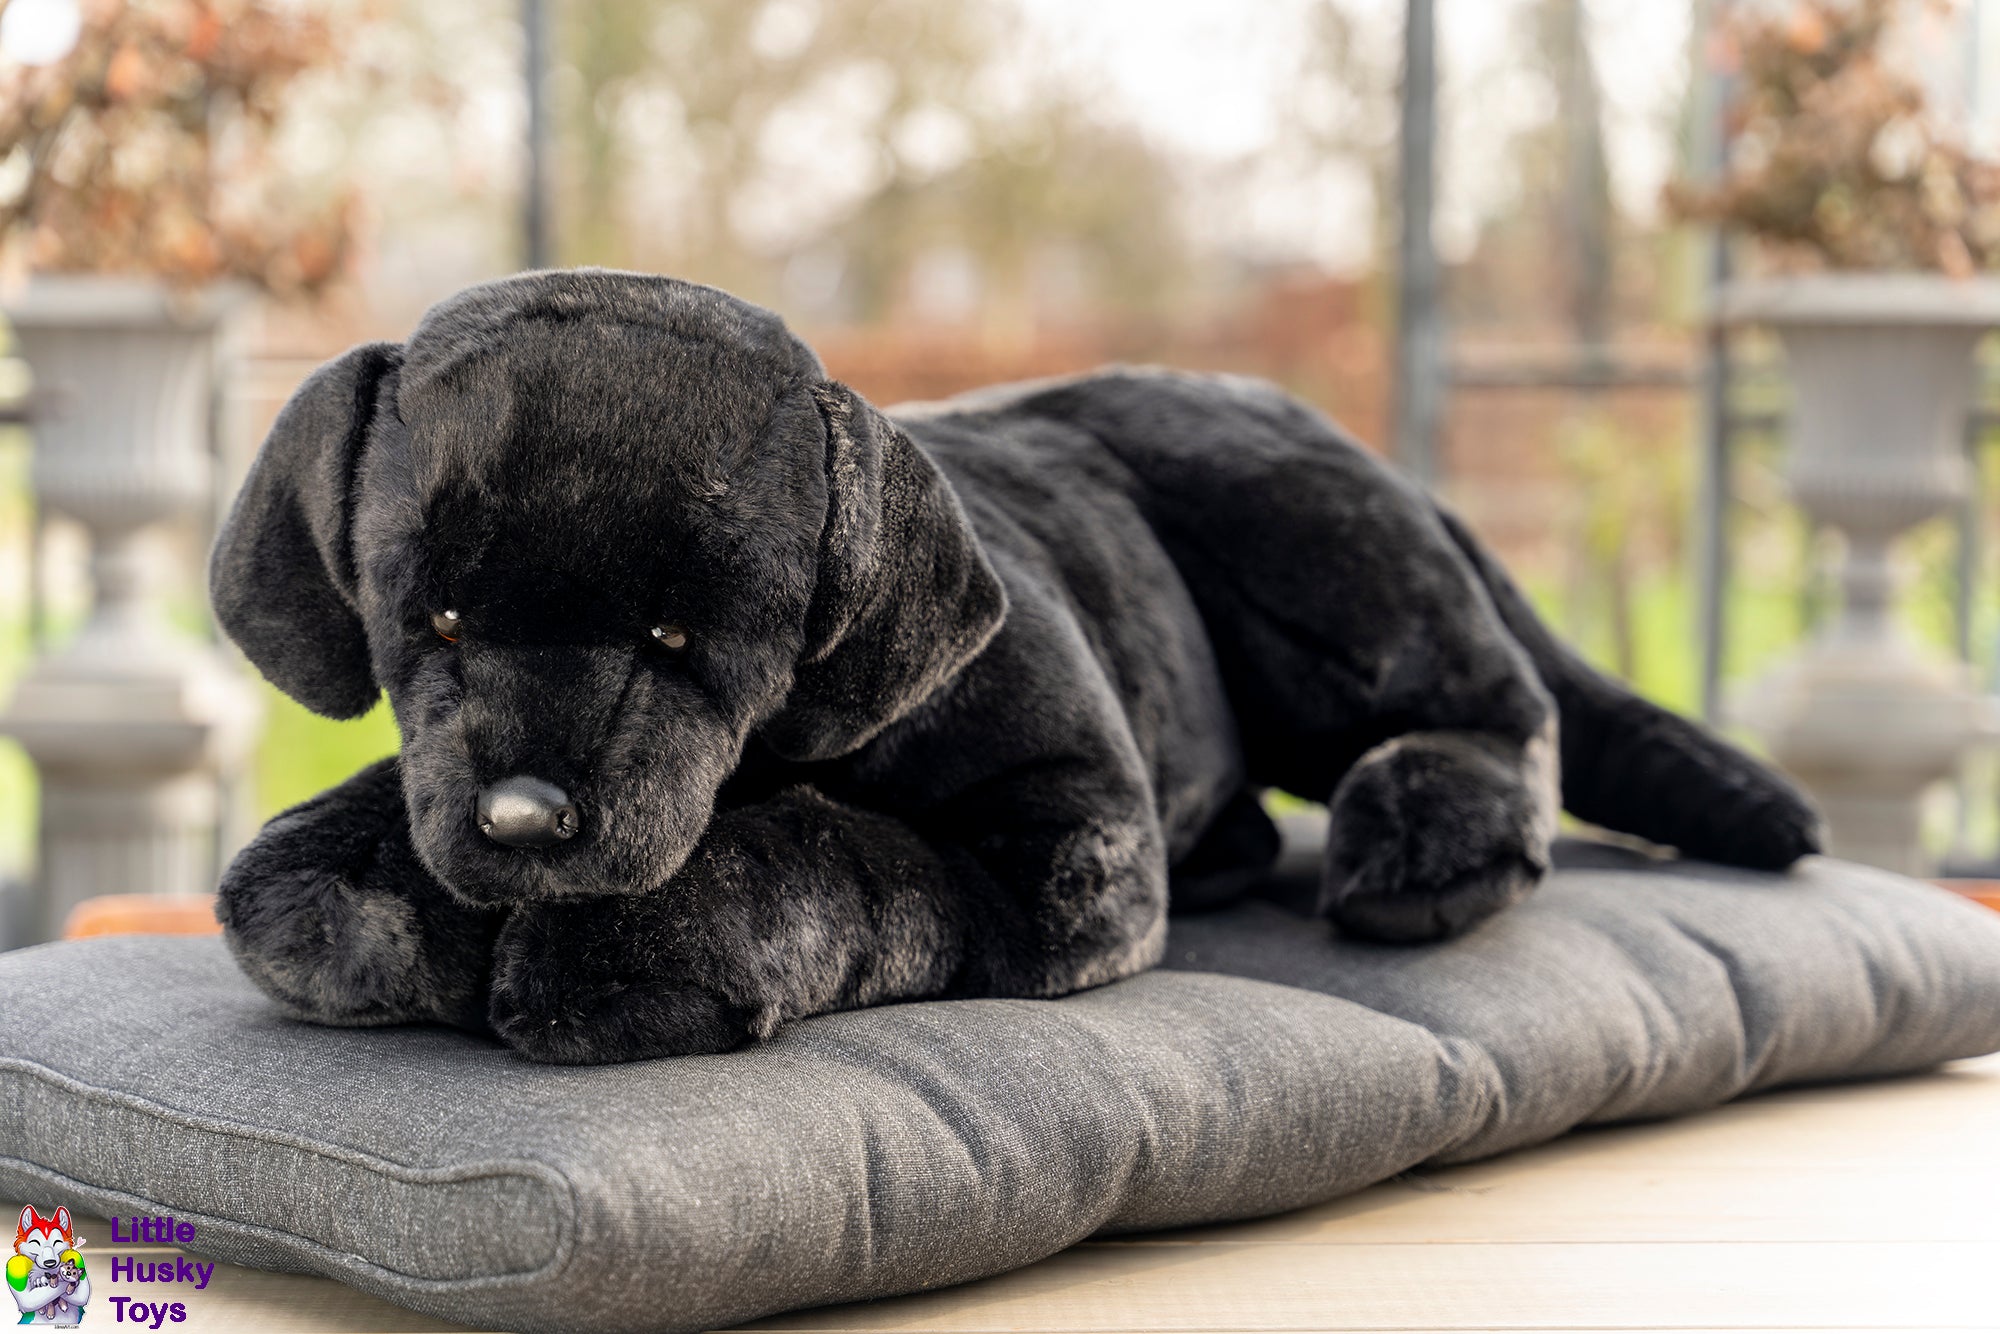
(1979, 891)
(143, 915)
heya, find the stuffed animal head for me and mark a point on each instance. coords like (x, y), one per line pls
(592, 532)
(41, 1241)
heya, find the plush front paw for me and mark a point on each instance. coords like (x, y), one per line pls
(330, 912)
(1431, 834)
(589, 982)
(322, 946)
(334, 946)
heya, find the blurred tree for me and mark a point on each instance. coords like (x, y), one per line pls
(1342, 104)
(1562, 189)
(153, 146)
(1588, 216)
(1062, 215)
(1621, 479)
(819, 153)
(1837, 159)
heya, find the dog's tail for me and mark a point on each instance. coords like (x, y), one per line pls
(1632, 766)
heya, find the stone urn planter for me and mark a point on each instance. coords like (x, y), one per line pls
(130, 723)
(1883, 383)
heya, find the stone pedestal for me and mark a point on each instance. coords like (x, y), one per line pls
(1883, 380)
(130, 724)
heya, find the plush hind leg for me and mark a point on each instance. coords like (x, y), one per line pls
(1367, 666)
(1378, 658)
(1432, 832)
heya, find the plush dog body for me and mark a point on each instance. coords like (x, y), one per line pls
(727, 699)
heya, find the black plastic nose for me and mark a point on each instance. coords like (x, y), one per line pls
(524, 812)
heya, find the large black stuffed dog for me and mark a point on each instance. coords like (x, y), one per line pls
(726, 699)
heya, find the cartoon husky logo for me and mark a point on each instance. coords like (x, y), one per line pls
(45, 1273)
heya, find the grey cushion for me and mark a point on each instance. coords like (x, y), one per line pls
(919, 1145)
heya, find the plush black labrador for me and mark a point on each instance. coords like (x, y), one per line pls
(726, 699)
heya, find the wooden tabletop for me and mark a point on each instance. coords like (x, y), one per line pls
(1872, 1206)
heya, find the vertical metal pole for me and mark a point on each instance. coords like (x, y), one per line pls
(1975, 39)
(1586, 197)
(1972, 513)
(1971, 546)
(1420, 386)
(1712, 519)
(38, 603)
(1971, 518)
(535, 246)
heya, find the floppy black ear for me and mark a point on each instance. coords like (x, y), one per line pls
(282, 577)
(905, 596)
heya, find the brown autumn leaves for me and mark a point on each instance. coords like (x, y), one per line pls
(1835, 161)
(153, 148)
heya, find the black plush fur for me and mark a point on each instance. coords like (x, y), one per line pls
(966, 689)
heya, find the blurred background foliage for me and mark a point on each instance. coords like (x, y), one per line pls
(942, 193)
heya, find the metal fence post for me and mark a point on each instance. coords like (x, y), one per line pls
(1420, 369)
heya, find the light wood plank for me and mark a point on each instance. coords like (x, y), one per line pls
(1673, 1204)
(1925, 1120)
(1932, 1285)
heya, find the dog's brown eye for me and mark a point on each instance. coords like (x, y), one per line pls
(446, 624)
(672, 638)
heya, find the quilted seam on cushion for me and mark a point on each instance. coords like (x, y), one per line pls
(359, 1208)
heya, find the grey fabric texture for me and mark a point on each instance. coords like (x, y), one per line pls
(919, 1145)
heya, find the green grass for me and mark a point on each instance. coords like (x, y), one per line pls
(17, 775)
(17, 810)
(1763, 623)
(302, 754)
